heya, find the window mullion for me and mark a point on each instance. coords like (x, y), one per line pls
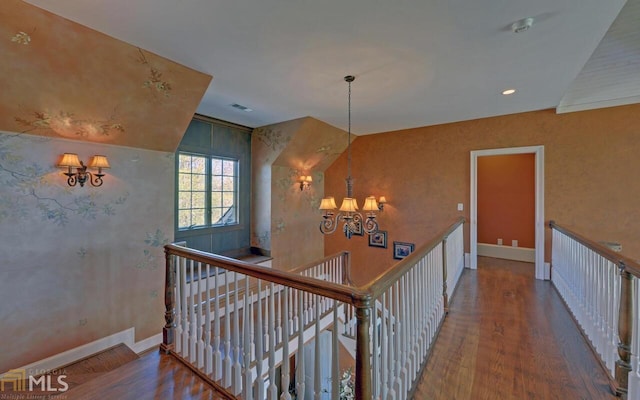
(207, 195)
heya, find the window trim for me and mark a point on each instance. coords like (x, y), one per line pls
(208, 226)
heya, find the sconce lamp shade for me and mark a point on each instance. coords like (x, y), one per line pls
(308, 179)
(70, 160)
(382, 200)
(98, 161)
(370, 204)
(328, 203)
(349, 205)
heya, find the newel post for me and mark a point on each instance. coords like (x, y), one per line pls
(444, 275)
(168, 331)
(363, 351)
(625, 325)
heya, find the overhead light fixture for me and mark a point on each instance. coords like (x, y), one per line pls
(508, 92)
(81, 175)
(353, 221)
(305, 182)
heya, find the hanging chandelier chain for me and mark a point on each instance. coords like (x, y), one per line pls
(349, 79)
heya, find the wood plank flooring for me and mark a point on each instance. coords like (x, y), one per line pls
(509, 336)
(153, 376)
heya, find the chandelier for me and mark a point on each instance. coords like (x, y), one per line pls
(353, 221)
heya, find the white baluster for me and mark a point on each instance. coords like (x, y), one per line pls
(376, 377)
(272, 391)
(285, 377)
(300, 375)
(278, 331)
(217, 354)
(185, 311)
(237, 367)
(252, 329)
(397, 386)
(247, 384)
(335, 360)
(200, 344)
(384, 366)
(259, 344)
(391, 394)
(208, 352)
(193, 328)
(228, 362)
(317, 382)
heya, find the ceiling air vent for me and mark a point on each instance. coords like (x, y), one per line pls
(241, 107)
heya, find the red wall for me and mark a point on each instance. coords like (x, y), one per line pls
(506, 199)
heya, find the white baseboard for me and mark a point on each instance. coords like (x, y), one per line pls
(146, 344)
(467, 260)
(507, 252)
(67, 357)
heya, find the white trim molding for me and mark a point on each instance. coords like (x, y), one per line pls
(541, 271)
(72, 355)
(507, 252)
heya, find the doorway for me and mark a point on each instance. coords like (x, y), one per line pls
(542, 270)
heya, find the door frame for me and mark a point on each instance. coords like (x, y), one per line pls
(542, 271)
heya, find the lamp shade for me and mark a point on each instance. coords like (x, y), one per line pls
(382, 200)
(308, 179)
(70, 160)
(99, 162)
(370, 204)
(349, 205)
(328, 203)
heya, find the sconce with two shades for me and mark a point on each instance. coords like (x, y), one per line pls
(77, 171)
(305, 182)
(353, 221)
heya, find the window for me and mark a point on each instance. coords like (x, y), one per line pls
(207, 191)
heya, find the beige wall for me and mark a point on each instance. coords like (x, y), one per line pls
(286, 220)
(79, 263)
(62, 79)
(591, 185)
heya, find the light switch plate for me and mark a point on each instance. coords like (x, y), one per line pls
(460, 206)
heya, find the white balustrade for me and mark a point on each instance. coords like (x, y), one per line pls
(241, 325)
(600, 288)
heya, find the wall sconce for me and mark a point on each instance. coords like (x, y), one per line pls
(381, 202)
(305, 182)
(370, 203)
(81, 175)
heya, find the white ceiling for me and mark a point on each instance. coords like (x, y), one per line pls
(416, 62)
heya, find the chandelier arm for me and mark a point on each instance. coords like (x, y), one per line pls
(370, 225)
(329, 223)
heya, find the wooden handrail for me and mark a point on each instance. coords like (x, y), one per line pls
(316, 286)
(383, 281)
(627, 263)
(359, 296)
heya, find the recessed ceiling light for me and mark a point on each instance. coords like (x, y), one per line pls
(241, 107)
(508, 92)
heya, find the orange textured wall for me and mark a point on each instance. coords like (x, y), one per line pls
(591, 185)
(506, 199)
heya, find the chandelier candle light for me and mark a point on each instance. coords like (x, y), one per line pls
(353, 220)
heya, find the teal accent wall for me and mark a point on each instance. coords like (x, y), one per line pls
(216, 138)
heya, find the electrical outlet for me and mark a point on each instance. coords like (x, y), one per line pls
(499, 242)
(514, 243)
(460, 207)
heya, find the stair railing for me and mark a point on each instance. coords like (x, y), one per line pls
(243, 327)
(600, 288)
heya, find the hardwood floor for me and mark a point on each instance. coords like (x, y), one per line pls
(509, 336)
(153, 376)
